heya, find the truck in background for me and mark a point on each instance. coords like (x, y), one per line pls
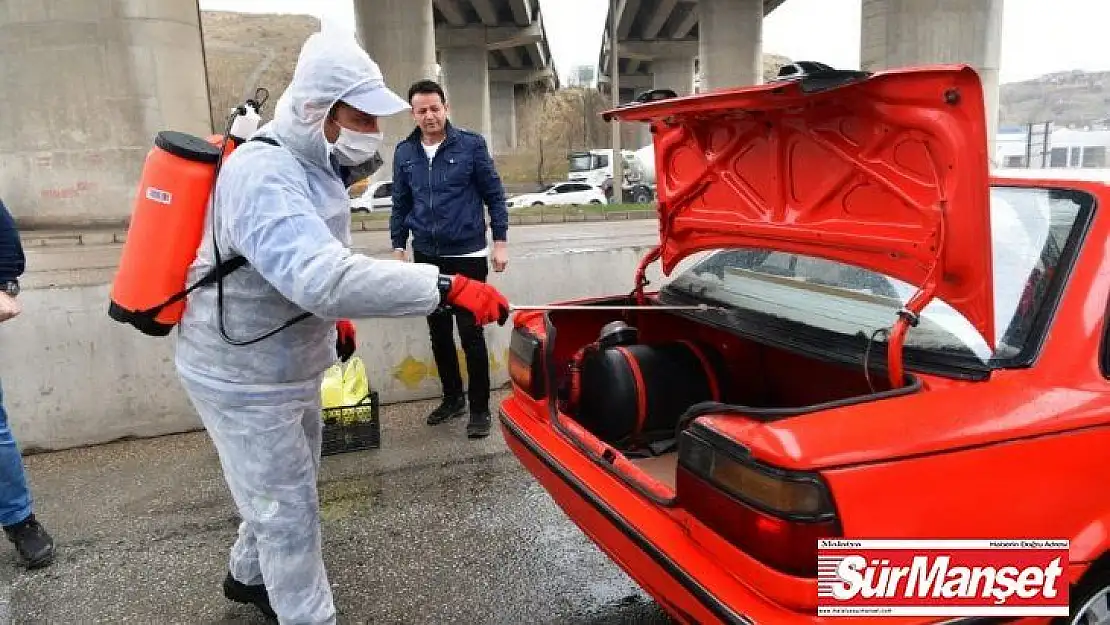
(595, 167)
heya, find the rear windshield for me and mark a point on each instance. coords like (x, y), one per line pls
(1033, 233)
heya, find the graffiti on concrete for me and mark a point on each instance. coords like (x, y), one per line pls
(411, 372)
(62, 193)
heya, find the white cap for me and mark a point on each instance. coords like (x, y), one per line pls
(374, 98)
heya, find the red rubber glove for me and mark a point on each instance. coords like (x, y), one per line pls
(345, 339)
(486, 302)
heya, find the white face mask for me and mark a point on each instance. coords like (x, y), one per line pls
(355, 148)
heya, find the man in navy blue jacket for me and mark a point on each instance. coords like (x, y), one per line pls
(31, 540)
(443, 177)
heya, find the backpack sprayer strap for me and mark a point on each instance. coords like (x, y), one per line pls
(222, 268)
(220, 271)
(265, 140)
(225, 267)
(216, 273)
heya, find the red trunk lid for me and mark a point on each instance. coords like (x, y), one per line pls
(887, 171)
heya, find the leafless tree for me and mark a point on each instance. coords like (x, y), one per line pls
(553, 124)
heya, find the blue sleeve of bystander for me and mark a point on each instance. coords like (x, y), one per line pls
(402, 202)
(493, 193)
(12, 260)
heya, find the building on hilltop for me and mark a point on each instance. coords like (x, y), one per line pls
(1042, 145)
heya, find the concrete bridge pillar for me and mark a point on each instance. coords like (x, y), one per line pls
(521, 100)
(87, 84)
(897, 33)
(502, 96)
(466, 74)
(400, 36)
(634, 135)
(640, 134)
(676, 74)
(730, 46)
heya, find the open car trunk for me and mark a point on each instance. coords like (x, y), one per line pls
(887, 172)
(630, 381)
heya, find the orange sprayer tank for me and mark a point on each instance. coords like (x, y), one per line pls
(167, 224)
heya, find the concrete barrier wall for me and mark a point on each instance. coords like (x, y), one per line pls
(71, 376)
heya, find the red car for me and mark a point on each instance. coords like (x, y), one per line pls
(871, 337)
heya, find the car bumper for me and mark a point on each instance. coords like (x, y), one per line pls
(682, 595)
(686, 581)
(643, 539)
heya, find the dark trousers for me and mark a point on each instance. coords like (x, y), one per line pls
(471, 335)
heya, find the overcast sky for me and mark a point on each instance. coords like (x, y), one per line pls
(1036, 40)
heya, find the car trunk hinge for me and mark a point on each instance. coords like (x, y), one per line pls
(910, 314)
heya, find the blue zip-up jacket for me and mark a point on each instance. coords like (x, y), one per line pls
(441, 202)
(12, 261)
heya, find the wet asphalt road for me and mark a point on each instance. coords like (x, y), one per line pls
(432, 528)
(67, 265)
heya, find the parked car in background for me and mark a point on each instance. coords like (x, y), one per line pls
(370, 197)
(892, 344)
(563, 193)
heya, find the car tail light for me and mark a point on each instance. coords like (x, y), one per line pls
(526, 362)
(774, 515)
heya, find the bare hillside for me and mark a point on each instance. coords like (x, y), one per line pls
(1064, 98)
(246, 51)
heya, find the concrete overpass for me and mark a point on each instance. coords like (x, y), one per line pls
(491, 53)
(508, 35)
(660, 42)
(88, 83)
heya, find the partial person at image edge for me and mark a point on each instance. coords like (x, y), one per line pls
(443, 178)
(32, 542)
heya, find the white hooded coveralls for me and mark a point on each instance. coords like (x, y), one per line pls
(285, 209)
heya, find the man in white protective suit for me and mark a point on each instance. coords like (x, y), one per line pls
(281, 204)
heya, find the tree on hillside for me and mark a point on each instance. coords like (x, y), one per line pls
(551, 124)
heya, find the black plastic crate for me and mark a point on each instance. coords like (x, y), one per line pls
(352, 428)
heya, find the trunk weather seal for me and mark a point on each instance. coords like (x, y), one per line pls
(767, 415)
(706, 598)
(556, 420)
(819, 344)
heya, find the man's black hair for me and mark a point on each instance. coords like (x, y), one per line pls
(426, 86)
